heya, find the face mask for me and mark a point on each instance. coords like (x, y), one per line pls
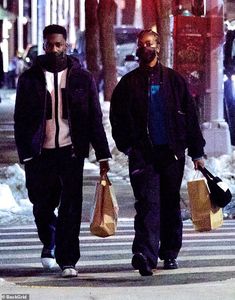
(146, 55)
(55, 62)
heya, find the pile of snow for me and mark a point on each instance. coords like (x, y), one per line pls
(14, 176)
(15, 205)
(7, 201)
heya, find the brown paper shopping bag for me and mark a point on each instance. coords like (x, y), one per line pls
(205, 216)
(104, 213)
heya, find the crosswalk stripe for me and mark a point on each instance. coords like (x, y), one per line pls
(209, 233)
(121, 237)
(127, 251)
(121, 223)
(18, 233)
(211, 252)
(38, 246)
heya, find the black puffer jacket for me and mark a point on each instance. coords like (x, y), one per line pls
(129, 113)
(83, 108)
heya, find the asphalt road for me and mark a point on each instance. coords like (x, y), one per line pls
(206, 260)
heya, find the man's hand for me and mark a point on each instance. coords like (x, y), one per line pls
(198, 162)
(104, 167)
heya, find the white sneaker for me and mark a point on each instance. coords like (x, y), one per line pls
(69, 272)
(47, 258)
(47, 262)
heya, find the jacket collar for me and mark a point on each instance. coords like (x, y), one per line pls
(157, 71)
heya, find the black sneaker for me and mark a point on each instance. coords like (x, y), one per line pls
(140, 262)
(48, 258)
(170, 264)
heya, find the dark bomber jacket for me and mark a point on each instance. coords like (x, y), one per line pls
(129, 114)
(83, 108)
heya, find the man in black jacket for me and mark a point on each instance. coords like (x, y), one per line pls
(153, 121)
(57, 116)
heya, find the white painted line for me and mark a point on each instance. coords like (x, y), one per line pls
(123, 237)
(19, 248)
(208, 233)
(83, 231)
(85, 254)
(208, 240)
(17, 233)
(82, 245)
(206, 257)
(108, 244)
(92, 252)
(122, 222)
(209, 248)
(223, 228)
(6, 241)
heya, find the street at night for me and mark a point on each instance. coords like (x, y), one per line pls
(162, 73)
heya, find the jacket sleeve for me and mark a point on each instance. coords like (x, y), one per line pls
(120, 117)
(22, 124)
(96, 129)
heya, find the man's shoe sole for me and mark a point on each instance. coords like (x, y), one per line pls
(139, 262)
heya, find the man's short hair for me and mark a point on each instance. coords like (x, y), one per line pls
(149, 31)
(54, 28)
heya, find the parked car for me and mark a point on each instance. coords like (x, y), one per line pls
(125, 38)
(229, 82)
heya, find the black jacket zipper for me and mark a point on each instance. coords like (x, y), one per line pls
(56, 110)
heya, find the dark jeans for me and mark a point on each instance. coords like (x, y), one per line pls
(158, 223)
(54, 179)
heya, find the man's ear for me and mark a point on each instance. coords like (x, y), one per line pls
(158, 49)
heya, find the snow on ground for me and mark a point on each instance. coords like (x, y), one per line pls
(223, 167)
(14, 203)
(15, 206)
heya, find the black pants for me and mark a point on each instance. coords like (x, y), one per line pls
(54, 179)
(156, 187)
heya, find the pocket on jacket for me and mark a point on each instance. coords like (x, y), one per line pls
(136, 162)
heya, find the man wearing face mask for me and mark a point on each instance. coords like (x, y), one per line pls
(57, 115)
(154, 121)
